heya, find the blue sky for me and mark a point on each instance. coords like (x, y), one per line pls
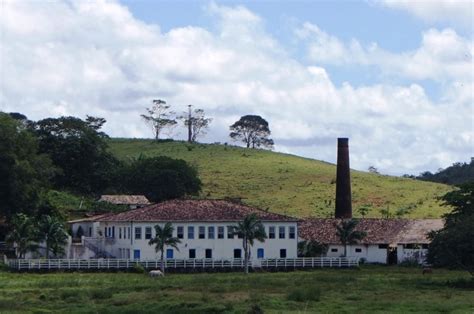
(394, 76)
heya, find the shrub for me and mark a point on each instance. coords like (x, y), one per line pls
(138, 268)
(100, 294)
(302, 295)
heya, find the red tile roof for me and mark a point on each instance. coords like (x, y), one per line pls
(125, 199)
(379, 231)
(195, 210)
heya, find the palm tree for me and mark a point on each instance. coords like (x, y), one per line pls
(163, 237)
(311, 248)
(250, 229)
(51, 231)
(347, 233)
(22, 235)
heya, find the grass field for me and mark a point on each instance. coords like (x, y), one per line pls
(289, 184)
(368, 289)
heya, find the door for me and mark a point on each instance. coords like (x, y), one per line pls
(260, 253)
(136, 254)
(169, 253)
(392, 255)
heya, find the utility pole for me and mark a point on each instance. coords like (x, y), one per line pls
(190, 122)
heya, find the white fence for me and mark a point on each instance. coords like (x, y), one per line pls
(179, 264)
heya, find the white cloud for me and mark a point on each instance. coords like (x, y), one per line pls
(455, 11)
(442, 55)
(96, 58)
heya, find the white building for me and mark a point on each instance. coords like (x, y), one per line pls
(388, 241)
(202, 226)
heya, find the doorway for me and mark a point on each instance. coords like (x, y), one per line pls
(392, 256)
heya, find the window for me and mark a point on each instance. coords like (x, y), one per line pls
(282, 253)
(169, 253)
(292, 233)
(180, 232)
(190, 232)
(383, 246)
(237, 253)
(202, 232)
(113, 232)
(90, 231)
(208, 253)
(230, 232)
(358, 250)
(220, 232)
(281, 232)
(120, 234)
(333, 250)
(129, 233)
(424, 246)
(210, 232)
(192, 253)
(148, 233)
(260, 253)
(271, 232)
(138, 233)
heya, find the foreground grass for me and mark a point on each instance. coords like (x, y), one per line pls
(289, 184)
(370, 289)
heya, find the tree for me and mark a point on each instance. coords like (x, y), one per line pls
(250, 229)
(161, 178)
(159, 117)
(196, 123)
(22, 234)
(347, 234)
(24, 172)
(51, 230)
(372, 169)
(311, 248)
(80, 151)
(164, 237)
(453, 245)
(252, 130)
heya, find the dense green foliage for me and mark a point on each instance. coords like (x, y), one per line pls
(289, 184)
(453, 246)
(458, 173)
(370, 289)
(160, 178)
(311, 249)
(24, 172)
(80, 151)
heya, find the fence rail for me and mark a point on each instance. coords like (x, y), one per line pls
(178, 264)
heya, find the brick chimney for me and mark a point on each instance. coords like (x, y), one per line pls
(343, 180)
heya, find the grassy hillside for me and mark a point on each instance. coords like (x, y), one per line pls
(289, 184)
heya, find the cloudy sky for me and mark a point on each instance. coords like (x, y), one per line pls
(396, 77)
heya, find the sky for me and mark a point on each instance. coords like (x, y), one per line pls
(396, 77)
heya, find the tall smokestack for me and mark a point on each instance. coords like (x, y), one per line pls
(343, 180)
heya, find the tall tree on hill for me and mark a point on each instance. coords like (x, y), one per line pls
(164, 237)
(80, 150)
(196, 122)
(159, 117)
(252, 130)
(347, 234)
(24, 172)
(453, 245)
(250, 229)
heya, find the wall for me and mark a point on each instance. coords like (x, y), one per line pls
(371, 253)
(221, 248)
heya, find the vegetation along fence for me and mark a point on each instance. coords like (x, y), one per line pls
(179, 264)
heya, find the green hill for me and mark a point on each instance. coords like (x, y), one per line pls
(289, 184)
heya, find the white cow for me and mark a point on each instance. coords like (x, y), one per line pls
(156, 273)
